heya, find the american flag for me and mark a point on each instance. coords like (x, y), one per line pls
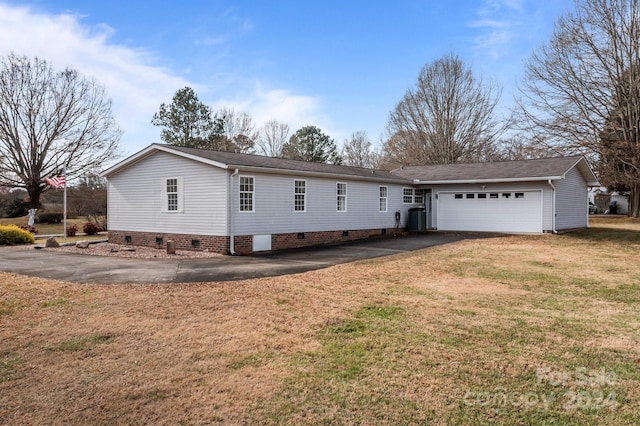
(56, 181)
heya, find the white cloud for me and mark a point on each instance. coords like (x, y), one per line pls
(499, 23)
(136, 86)
(264, 104)
(133, 79)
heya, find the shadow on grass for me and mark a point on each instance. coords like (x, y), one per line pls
(607, 235)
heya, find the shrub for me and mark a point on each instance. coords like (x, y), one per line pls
(90, 228)
(12, 235)
(29, 228)
(72, 230)
(17, 208)
(50, 217)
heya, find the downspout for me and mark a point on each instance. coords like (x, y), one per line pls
(230, 212)
(553, 207)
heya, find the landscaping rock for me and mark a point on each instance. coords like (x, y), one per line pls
(82, 244)
(128, 249)
(51, 243)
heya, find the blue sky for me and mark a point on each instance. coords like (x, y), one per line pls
(339, 65)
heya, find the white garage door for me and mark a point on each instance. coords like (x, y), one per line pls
(509, 212)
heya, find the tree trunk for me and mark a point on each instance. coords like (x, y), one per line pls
(634, 201)
(34, 192)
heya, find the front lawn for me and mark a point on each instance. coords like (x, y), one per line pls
(510, 330)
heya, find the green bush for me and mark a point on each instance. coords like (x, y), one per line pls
(50, 218)
(11, 235)
(17, 208)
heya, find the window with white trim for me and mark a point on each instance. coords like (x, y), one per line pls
(384, 191)
(299, 195)
(407, 195)
(172, 195)
(418, 196)
(341, 197)
(246, 193)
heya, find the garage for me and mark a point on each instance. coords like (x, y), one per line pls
(503, 211)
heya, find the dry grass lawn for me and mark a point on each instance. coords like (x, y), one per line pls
(511, 330)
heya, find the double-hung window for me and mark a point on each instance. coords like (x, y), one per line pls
(341, 197)
(299, 195)
(172, 195)
(407, 195)
(418, 196)
(246, 193)
(383, 198)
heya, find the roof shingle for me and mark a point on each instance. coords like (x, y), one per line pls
(249, 160)
(500, 170)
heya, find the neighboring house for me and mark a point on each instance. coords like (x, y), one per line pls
(602, 199)
(238, 203)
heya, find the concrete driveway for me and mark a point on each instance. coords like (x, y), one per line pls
(80, 268)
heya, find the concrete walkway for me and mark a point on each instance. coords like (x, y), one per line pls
(80, 268)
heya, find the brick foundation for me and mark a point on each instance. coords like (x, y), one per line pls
(243, 244)
(308, 239)
(159, 240)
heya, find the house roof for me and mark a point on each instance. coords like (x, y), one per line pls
(259, 163)
(500, 171)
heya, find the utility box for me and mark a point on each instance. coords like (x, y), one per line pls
(417, 219)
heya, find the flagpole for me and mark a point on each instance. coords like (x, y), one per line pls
(64, 206)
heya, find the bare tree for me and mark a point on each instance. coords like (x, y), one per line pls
(273, 137)
(357, 151)
(524, 146)
(89, 198)
(49, 121)
(582, 89)
(238, 130)
(446, 118)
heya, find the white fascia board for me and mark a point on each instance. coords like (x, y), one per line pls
(197, 158)
(291, 172)
(475, 181)
(129, 161)
(586, 171)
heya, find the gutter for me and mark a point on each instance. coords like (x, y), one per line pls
(230, 193)
(553, 207)
(476, 181)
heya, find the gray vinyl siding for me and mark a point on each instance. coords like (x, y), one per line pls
(547, 196)
(274, 206)
(135, 197)
(571, 201)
